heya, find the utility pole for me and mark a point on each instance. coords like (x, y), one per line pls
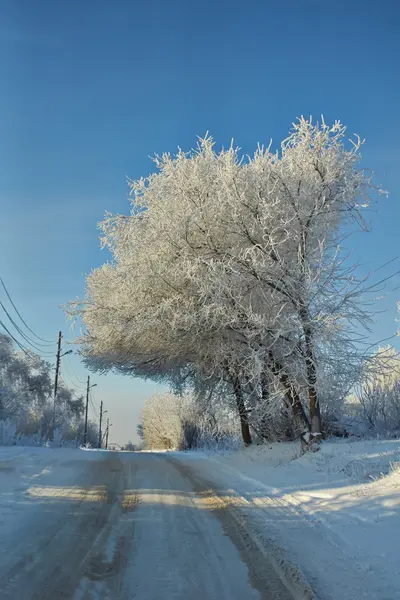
(88, 388)
(86, 411)
(108, 427)
(101, 418)
(58, 358)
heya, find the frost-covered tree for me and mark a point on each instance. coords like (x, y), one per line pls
(26, 396)
(139, 431)
(161, 422)
(181, 421)
(231, 267)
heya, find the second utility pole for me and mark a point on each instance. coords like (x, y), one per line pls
(86, 411)
(108, 427)
(101, 417)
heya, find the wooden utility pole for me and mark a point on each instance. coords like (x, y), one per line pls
(56, 378)
(101, 418)
(108, 427)
(57, 363)
(58, 358)
(86, 411)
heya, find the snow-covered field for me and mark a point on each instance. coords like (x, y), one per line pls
(334, 513)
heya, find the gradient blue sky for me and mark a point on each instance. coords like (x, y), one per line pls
(91, 89)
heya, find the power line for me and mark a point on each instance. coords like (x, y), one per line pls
(25, 350)
(66, 381)
(25, 337)
(93, 405)
(70, 386)
(92, 397)
(41, 352)
(94, 409)
(67, 384)
(74, 376)
(23, 321)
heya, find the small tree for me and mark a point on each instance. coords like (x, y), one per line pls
(161, 422)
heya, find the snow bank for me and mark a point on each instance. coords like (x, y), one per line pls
(335, 512)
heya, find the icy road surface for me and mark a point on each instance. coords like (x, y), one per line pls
(117, 526)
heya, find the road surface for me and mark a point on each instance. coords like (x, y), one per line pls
(122, 526)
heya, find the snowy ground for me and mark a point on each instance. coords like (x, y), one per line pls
(117, 526)
(335, 513)
(255, 524)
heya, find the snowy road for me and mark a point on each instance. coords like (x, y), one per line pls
(97, 525)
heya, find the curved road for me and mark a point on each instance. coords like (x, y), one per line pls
(119, 526)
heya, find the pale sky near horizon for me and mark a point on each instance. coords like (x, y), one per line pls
(91, 89)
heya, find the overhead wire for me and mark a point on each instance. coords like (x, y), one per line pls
(36, 345)
(92, 404)
(72, 373)
(73, 377)
(68, 383)
(33, 343)
(31, 354)
(25, 350)
(64, 381)
(27, 339)
(96, 414)
(48, 342)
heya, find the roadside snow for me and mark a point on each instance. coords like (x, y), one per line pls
(335, 512)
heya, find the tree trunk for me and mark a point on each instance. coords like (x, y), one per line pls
(315, 413)
(299, 414)
(300, 418)
(314, 407)
(244, 421)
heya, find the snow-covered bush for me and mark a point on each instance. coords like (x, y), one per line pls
(379, 394)
(219, 438)
(8, 430)
(34, 439)
(380, 407)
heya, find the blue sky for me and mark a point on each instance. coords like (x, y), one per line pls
(91, 89)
